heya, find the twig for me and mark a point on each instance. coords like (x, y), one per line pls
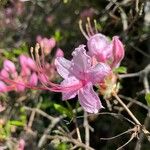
(87, 131)
(33, 115)
(77, 129)
(40, 112)
(47, 131)
(126, 108)
(111, 138)
(141, 73)
(68, 139)
(135, 102)
(147, 119)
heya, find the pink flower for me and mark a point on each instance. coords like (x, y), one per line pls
(79, 77)
(110, 52)
(101, 48)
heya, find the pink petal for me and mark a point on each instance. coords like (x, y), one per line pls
(59, 53)
(33, 79)
(4, 73)
(72, 92)
(3, 87)
(31, 64)
(9, 66)
(81, 62)
(20, 85)
(98, 45)
(99, 72)
(63, 65)
(23, 60)
(118, 51)
(21, 144)
(89, 100)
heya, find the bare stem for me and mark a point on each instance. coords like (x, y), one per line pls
(87, 131)
(126, 108)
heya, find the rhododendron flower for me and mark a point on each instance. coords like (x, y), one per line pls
(79, 77)
(104, 50)
(101, 48)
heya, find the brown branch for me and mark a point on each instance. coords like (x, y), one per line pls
(69, 139)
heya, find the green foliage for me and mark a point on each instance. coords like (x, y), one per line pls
(58, 37)
(23, 49)
(63, 110)
(147, 98)
(63, 146)
(121, 69)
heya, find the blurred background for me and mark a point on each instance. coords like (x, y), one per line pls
(22, 22)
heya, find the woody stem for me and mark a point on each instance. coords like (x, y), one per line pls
(126, 108)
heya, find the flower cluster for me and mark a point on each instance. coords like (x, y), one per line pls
(87, 68)
(29, 73)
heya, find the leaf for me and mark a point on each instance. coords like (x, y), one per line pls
(147, 98)
(121, 69)
(63, 110)
(58, 36)
(17, 123)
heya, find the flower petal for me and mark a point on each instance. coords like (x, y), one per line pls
(71, 93)
(118, 51)
(99, 72)
(62, 66)
(81, 62)
(89, 100)
(9, 66)
(99, 46)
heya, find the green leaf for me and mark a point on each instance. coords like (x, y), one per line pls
(57, 35)
(17, 123)
(63, 110)
(147, 98)
(121, 69)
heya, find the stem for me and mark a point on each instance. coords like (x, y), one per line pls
(77, 129)
(126, 108)
(87, 131)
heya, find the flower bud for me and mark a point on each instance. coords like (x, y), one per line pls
(118, 51)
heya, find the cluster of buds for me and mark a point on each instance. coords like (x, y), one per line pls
(90, 66)
(29, 73)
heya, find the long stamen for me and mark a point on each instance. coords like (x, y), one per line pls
(90, 26)
(42, 56)
(37, 47)
(88, 30)
(95, 26)
(82, 31)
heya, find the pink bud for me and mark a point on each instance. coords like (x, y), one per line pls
(33, 79)
(52, 42)
(3, 87)
(9, 66)
(21, 144)
(4, 73)
(118, 51)
(59, 53)
(23, 60)
(99, 46)
(20, 85)
(31, 64)
(38, 38)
